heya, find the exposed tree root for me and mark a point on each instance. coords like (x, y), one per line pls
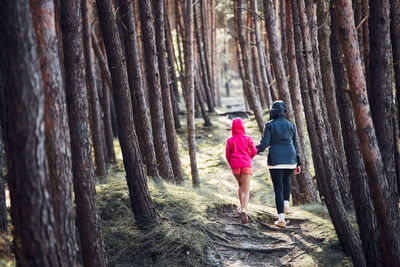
(274, 228)
(256, 248)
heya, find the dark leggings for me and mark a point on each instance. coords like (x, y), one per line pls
(281, 181)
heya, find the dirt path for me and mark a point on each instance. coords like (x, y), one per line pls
(260, 243)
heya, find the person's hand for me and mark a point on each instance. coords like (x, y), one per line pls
(258, 147)
(297, 170)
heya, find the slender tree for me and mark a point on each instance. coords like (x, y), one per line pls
(78, 112)
(138, 98)
(31, 207)
(307, 193)
(189, 87)
(248, 79)
(172, 70)
(261, 57)
(142, 204)
(165, 91)
(107, 99)
(276, 57)
(386, 212)
(57, 140)
(95, 125)
(5, 251)
(153, 80)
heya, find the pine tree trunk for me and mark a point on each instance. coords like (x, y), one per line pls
(93, 96)
(307, 193)
(206, 38)
(138, 98)
(366, 218)
(395, 38)
(165, 91)
(57, 140)
(199, 95)
(260, 50)
(276, 56)
(32, 215)
(5, 251)
(257, 73)
(328, 86)
(189, 87)
(385, 210)
(153, 80)
(107, 107)
(172, 70)
(248, 79)
(142, 204)
(203, 62)
(381, 86)
(78, 111)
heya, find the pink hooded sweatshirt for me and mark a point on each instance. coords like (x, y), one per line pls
(239, 147)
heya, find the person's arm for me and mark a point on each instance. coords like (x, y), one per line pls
(228, 151)
(297, 170)
(253, 151)
(294, 140)
(265, 139)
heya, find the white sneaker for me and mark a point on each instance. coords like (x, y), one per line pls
(287, 210)
(280, 224)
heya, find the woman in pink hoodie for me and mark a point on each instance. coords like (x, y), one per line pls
(239, 152)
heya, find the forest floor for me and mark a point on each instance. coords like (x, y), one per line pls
(201, 227)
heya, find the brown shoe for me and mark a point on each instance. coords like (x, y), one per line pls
(287, 210)
(244, 218)
(280, 224)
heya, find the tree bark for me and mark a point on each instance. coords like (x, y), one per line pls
(261, 50)
(31, 211)
(203, 62)
(381, 87)
(328, 90)
(276, 56)
(142, 204)
(93, 95)
(385, 210)
(78, 111)
(366, 218)
(189, 87)
(165, 91)
(153, 80)
(5, 251)
(57, 141)
(307, 193)
(138, 98)
(395, 38)
(329, 185)
(172, 70)
(248, 79)
(259, 87)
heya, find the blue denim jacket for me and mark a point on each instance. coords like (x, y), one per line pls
(280, 136)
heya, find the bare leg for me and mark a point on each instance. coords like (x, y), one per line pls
(239, 180)
(245, 190)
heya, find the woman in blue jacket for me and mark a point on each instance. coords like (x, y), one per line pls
(283, 158)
